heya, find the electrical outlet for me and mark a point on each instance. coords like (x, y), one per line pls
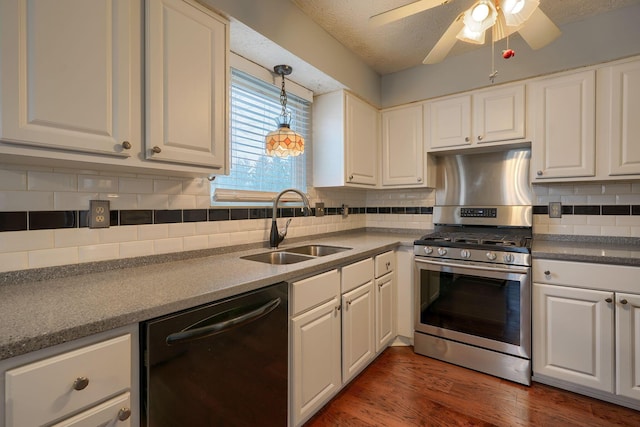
(319, 208)
(555, 210)
(99, 214)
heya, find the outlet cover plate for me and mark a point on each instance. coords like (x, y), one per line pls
(99, 214)
(555, 210)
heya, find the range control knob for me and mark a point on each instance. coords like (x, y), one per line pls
(428, 250)
(491, 256)
(508, 258)
(465, 253)
(442, 251)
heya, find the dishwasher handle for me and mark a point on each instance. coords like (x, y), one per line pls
(194, 332)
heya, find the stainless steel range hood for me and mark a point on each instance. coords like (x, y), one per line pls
(495, 180)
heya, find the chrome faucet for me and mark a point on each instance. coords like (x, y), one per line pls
(275, 238)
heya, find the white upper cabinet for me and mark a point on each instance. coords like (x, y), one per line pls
(448, 122)
(562, 124)
(499, 114)
(345, 141)
(481, 117)
(618, 119)
(68, 73)
(186, 84)
(404, 160)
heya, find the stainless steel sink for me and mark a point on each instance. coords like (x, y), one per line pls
(293, 255)
(317, 250)
(278, 258)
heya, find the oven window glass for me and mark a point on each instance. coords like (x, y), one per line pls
(479, 306)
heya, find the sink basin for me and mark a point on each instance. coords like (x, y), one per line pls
(317, 250)
(278, 258)
(293, 255)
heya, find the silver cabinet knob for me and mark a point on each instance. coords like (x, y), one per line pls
(388, 264)
(124, 414)
(126, 145)
(547, 273)
(539, 173)
(350, 177)
(623, 301)
(156, 149)
(338, 307)
(467, 139)
(80, 383)
(608, 300)
(419, 179)
(479, 137)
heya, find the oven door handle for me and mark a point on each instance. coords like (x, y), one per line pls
(513, 269)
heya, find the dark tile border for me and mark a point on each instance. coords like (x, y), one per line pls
(591, 210)
(43, 220)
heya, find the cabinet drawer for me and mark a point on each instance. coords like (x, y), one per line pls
(43, 391)
(356, 274)
(618, 278)
(385, 263)
(314, 291)
(105, 414)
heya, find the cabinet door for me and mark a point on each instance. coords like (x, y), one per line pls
(573, 335)
(67, 75)
(563, 128)
(402, 147)
(113, 412)
(498, 114)
(361, 127)
(357, 330)
(187, 75)
(623, 123)
(448, 122)
(385, 310)
(628, 345)
(316, 359)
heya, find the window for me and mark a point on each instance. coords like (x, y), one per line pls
(254, 107)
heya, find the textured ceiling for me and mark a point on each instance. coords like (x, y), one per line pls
(404, 44)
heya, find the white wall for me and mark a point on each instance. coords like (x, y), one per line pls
(603, 38)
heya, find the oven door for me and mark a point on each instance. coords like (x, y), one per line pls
(484, 305)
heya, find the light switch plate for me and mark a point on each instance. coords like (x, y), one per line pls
(555, 210)
(99, 214)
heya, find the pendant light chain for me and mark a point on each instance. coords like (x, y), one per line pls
(283, 98)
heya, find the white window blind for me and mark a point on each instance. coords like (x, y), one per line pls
(254, 106)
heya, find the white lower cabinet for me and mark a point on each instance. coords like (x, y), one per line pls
(385, 300)
(586, 329)
(316, 344)
(357, 330)
(86, 383)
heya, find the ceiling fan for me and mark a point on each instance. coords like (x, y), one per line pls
(503, 17)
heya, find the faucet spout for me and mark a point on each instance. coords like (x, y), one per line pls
(276, 237)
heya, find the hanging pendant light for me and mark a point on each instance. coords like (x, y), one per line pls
(284, 142)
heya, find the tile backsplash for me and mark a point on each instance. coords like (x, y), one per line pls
(43, 214)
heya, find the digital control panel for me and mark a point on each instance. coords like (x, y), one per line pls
(478, 212)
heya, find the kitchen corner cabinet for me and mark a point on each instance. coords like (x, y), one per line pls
(68, 74)
(316, 344)
(358, 318)
(71, 86)
(346, 141)
(186, 84)
(585, 329)
(404, 160)
(385, 299)
(618, 125)
(486, 116)
(562, 121)
(91, 381)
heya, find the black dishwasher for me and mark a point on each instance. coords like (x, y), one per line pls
(222, 364)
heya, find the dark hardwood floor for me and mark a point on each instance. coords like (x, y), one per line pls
(401, 388)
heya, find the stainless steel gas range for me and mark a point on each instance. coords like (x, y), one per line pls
(473, 274)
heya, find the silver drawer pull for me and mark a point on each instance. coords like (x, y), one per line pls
(124, 414)
(80, 383)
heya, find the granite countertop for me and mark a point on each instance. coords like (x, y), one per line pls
(42, 313)
(617, 251)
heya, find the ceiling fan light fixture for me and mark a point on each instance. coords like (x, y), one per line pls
(516, 12)
(480, 16)
(475, 37)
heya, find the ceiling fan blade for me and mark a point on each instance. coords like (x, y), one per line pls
(446, 42)
(404, 11)
(539, 30)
